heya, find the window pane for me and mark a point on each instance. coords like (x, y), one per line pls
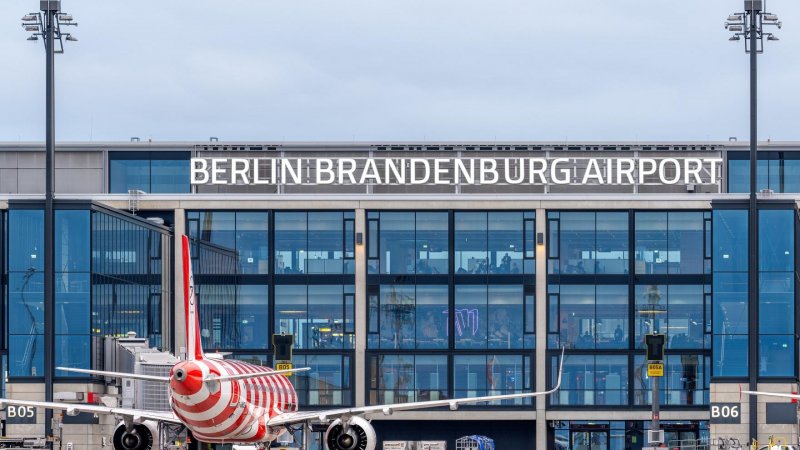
(290, 242)
(651, 243)
(26, 249)
(397, 319)
(72, 241)
(738, 175)
(26, 302)
(72, 351)
(325, 253)
(397, 243)
(130, 174)
(612, 243)
(432, 317)
(481, 375)
(252, 230)
(577, 316)
(252, 316)
(326, 321)
(776, 241)
(776, 303)
(505, 242)
(432, 242)
(327, 383)
(730, 303)
(577, 242)
(612, 317)
(685, 242)
(170, 175)
(685, 317)
(72, 304)
(772, 356)
(730, 240)
(730, 355)
(291, 313)
(470, 308)
(471, 254)
(505, 317)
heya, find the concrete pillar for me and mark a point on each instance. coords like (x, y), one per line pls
(359, 384)
(180, 315)
(541, 330)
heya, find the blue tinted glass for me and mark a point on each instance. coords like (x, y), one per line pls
(397, 317)
(685, 317)
(588, 380)
(791, 175)
(218, 319)
(505, 317)
(685, 381)
(405, 378)
(612, 317)
(471, 243)
(577, 320)
(25, 249)
(577, 240)
(685, 243)
(612, 243)
(72, 241)
(72, 303)
(397, 242)
(730, 303)
(730, 240)
(26, 302)
(776, 240)
(763, 176)
(325, 252)
(432, 246)
(291, 239)
(480, 375)
(169, 176)
(505, 245)
(327, 383)
(432, 318)
(217, 227)
(776, 303)
(72, 351)
(26, 355)
(776, 356)
(651, 243)
(470, 316)
(730, 356)
(129, 174)
(326, 318)
(252, 316)
(738, 175)
(252, 229)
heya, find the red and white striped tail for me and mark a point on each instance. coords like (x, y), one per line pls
(194, 349)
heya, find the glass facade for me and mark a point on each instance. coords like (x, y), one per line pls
(776, 305)
(778, 171)
(108, 282)
(152, 172)
(473, 306)
(601, 303)
(730, 312)
(265, 272)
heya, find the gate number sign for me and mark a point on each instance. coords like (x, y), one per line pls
(726, 413)
(20, 414)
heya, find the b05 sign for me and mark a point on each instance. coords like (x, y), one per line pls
(726, 413)
(20, 414)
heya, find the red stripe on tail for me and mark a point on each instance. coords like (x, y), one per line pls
(194, 350)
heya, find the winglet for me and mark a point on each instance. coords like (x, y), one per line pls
(194, 349)
(560, 369)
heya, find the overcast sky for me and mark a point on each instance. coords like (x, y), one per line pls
(399, 70)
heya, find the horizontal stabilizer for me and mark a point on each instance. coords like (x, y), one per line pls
(102, 373)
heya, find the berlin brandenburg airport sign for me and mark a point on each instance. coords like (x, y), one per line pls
(451, 171)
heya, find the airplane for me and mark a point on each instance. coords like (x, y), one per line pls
(234, 402)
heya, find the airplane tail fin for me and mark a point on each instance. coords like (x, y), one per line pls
(194, 349)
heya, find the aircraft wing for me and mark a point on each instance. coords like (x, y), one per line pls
(72, 409)
(773, 394)
(453, 404)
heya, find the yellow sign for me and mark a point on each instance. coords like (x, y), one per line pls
(655, 370)
(284, 366)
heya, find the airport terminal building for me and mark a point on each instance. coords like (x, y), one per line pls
(421, 271)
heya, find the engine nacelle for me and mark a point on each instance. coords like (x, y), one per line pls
(356, 434)
(142, 436)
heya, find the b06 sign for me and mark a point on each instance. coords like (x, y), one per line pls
(726, 413)
(20, 414)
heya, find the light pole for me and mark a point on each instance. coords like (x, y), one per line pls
(47, 24)
(750, 25)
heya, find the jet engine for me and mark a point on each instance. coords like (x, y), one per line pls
(141, 436)
(354, 434)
